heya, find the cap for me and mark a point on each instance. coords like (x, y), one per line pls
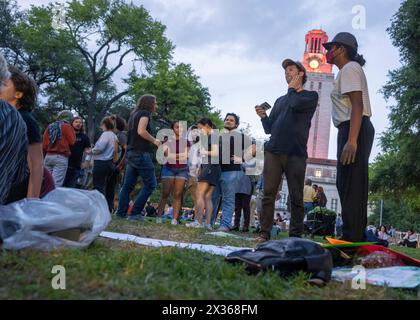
(344, 38)
(299, 66)
(290, 62)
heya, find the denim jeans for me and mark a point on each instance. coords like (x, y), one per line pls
(225, 191)
(138, 164)
(308, 206)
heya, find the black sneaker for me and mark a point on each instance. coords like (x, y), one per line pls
(234, 229)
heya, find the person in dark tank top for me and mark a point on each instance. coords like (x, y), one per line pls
(138, 160)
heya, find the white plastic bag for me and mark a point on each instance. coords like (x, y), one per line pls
(29, 223)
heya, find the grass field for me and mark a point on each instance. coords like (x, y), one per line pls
(111, 269)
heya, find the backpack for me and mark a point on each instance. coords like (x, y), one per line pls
(287, 257)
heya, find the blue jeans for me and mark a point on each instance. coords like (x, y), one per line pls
(138, 164)
(308, 207)
(225, 191)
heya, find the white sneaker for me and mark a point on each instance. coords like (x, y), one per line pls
(174, 222)
(158, 220)
(195, 225)
(208, 227)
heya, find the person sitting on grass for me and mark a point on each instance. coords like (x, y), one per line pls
(383, 233)
(20, 91)
(150, 210)
(409, 240)
(372, 236)
(13, 142)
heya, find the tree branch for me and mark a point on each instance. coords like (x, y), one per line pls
(112, 100)
(120, 63)
(79, 90)
(85, 53)
(108, 53)
(106, 43)
(48, 78)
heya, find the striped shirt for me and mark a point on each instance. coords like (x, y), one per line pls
(13, 149)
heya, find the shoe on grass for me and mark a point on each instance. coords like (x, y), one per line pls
(174, 222)
(224, 229)
(195, 225)
(262, 237)
(209, 227)
(235, 228)
(158, 220)
(137, 217)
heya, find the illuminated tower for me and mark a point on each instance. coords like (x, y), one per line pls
(320, 79)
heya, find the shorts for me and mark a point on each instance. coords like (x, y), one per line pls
(210, 173)
(174, 173)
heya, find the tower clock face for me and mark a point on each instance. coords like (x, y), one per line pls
(314, 63)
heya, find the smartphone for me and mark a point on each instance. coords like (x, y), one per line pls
(266, 106)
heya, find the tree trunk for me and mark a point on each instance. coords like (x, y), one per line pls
(91, 128)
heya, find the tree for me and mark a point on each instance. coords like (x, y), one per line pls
(179, 93)
(76, 59)
(28, 51)
(396, 172)
(397, 215)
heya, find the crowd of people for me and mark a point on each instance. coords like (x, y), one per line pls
(385, 236)
(211, 165)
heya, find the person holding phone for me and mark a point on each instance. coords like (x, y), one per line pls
(286, 151)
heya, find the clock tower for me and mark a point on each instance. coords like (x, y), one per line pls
(320, 79)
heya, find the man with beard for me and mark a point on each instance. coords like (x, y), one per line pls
(81, 146)
(233, 146)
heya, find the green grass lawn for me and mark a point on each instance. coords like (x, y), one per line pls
(111, 269)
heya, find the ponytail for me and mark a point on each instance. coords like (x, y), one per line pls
(359, 59)
(354, 56)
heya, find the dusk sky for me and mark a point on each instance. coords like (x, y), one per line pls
(237, 46)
